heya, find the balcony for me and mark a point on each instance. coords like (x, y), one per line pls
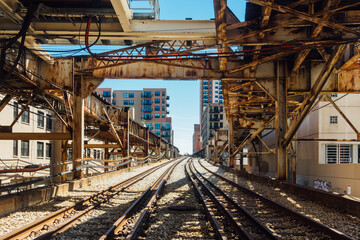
(167, 105)
(167, 112)
(167, 97)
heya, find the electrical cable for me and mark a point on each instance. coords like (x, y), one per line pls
(22, 33)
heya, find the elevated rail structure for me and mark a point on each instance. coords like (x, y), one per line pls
(274, 66)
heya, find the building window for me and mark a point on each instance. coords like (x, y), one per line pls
(157, 108)
(48, 150)
(157, 125)
(205, 101)
(216, 100)
(48, 122)
(163, 93)
(157, 100)
(147, 116)
(131, 95)
(163, 108)
(333, 119)
(157, 132)
(148, 125)
(24, 148)
(16, 110)
(157, 93)
(334, 95)
(221, 101)
(131, 102)
(163, 115)
(126, 102)
(338, 153)
(147, 102)
(163, 101)
(126, 95)
(147, 94)
(25, 117)
(40, 149)
(157, 115)
(205, 92)
(221, 125)
(106, 94)
(40, 123)
(15, 147)
(147, 108)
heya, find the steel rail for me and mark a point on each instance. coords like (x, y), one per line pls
(120, 223)
(219, 231)
(265, 230)
(333, 233)
(235, 223)
(150, 205)
(95, 199)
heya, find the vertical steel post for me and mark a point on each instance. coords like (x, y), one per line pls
(78, 131)
(231, 142)
(280, 125)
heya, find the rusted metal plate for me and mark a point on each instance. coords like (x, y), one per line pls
(60, 73)
(149, 70)
(349, 81)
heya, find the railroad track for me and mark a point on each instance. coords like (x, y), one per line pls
(130, 224)
(63, 219)
(280, 221)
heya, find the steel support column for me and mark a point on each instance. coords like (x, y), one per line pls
(78, 124)
(231, 142)
(280, 126)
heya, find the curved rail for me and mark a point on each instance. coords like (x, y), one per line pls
(332, 233)
(120, 223)
(94, 201)
(219, 231)
(254, 228)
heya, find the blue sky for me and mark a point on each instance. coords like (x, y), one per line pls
(184, 95)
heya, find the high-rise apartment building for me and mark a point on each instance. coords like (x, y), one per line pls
(211, 97)
(210, 92)
(213, 118)
(149, 106)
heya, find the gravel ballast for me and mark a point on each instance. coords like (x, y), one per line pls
(343, 222)
(28, 215)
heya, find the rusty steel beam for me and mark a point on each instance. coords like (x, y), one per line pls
(220, 8)
(253, 135)
(304, 16)
(57, 114)
(314, 93)
(303, 54)
(34, 136)
(350, 62)
(112, 127)
(5, 101)
(22, 111)
(260, 61)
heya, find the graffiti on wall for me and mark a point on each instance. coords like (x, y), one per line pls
(322, 184)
